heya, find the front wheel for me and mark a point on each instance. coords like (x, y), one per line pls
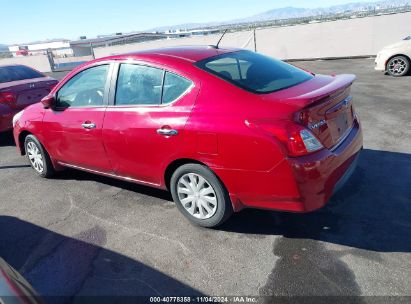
(200, 195)
(398, 66)
(38, 156)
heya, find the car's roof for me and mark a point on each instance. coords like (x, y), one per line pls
(187, 53)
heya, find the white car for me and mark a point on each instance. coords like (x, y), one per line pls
(395, 59)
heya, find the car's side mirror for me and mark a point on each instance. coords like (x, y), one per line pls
(48, 101)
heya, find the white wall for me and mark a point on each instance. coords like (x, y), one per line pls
(39, 62)
(13, 48)
(353, 37)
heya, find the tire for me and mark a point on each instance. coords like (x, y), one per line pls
(207, 202)
(38, 157)
(398, 66)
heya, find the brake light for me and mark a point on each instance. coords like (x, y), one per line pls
(298, 140)
(7, 97)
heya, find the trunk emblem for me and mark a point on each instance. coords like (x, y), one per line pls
(316, 125)
(31, 85)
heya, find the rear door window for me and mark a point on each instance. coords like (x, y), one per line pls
(145, 85)
(18, 72)
(174, 87)
(139, 85)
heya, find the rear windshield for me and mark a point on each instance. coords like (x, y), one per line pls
(14, 73)
(254, 72)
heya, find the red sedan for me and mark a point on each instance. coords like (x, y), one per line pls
(222, 129)
(20, 86)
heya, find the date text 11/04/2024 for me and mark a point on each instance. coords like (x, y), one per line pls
(204, 299)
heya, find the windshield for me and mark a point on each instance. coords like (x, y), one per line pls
(254, 72)
(17, 72)
(407, 38)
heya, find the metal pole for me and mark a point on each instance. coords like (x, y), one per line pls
(51, 60)
(92, 51)
(255, 41)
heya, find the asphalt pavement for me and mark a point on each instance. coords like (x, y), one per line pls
(81, 234)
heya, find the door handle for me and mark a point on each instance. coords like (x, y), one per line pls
(167, 132)
(88, 125)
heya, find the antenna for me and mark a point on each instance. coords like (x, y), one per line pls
(221, 38)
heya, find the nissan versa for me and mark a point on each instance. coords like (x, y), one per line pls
(222, 129)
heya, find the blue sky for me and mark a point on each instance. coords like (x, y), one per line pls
(26, 21)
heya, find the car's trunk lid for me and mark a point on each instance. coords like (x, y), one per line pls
(28, 91)
(323, 105)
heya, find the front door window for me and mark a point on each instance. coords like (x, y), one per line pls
(86, 89)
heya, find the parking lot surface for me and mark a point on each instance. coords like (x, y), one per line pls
(81, 234)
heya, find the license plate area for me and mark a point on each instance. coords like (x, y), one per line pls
(340, 119)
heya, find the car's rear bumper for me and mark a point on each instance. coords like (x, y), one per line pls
(347, 175)
(320, 175)
(300, 184)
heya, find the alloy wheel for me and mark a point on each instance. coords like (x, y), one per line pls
(397, 66)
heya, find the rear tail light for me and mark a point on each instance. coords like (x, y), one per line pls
(298, 140)
(311, 143)
(53, 85)
(7, 98)
(301, 142)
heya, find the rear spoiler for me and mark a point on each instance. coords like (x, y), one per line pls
(339, 84)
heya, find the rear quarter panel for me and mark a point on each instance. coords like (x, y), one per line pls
(226, 141)
(218, 127)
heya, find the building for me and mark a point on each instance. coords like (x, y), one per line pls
(59, 48)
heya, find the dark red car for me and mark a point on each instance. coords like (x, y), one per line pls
(222, 129)
(20, 86)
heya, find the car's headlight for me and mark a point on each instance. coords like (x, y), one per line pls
(17, 117)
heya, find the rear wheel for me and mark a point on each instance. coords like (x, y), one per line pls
(38, 156)
(200, 195)
(398, 66)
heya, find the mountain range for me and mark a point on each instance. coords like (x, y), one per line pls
(293, 12)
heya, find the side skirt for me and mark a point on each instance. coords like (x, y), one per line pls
(124, 178)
